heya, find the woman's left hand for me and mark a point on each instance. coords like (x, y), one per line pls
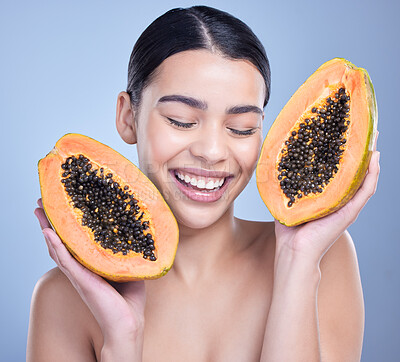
(314, 238)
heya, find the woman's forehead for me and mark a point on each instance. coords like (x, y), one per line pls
(208, 76)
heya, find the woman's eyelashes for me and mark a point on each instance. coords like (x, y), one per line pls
(247, 132)
(180, 124)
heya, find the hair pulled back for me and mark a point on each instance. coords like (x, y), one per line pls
(197, 27)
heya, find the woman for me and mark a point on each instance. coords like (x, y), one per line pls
(239, 290)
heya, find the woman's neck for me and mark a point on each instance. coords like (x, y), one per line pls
(200, 250)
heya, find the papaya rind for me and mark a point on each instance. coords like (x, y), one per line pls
(364, 161)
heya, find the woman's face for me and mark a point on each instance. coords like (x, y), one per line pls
(199, 133)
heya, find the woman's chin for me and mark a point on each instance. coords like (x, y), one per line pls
(193, 224)
(198, 220)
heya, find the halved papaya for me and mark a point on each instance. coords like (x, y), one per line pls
(316, 153)
(108, 214)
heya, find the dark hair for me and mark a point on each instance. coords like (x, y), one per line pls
(197, 27)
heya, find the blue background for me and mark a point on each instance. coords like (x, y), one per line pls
(62, 65)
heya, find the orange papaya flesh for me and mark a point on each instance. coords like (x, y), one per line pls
(316, 153)
(133, 235)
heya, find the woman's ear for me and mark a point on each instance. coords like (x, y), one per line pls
(125, 118)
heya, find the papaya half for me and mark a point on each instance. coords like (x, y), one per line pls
(108, 214)
(317, 151)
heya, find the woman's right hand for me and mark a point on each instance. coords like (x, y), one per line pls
(117, 307)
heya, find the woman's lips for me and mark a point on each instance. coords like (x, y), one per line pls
(201, 194)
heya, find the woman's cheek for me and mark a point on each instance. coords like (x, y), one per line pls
(247, 153)
(162, 144)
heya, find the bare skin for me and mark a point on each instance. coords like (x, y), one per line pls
(239, 290)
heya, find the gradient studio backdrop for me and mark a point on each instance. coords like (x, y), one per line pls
(63, 64)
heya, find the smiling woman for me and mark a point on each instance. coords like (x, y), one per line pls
(239, 290)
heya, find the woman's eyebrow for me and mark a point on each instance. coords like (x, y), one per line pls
(244, 109)
(196, 103)
(192, 102)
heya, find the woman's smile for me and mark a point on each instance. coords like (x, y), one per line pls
(201, 185)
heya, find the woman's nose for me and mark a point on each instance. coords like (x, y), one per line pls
(210, 145)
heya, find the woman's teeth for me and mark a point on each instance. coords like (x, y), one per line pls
(201, 183)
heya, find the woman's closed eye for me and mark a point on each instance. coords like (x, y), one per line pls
(237, 132)
(247, 132)
(180, 124)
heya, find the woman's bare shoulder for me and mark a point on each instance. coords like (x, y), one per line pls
(341, 252)
(53, 279)
(54, 292)
(61, 325)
